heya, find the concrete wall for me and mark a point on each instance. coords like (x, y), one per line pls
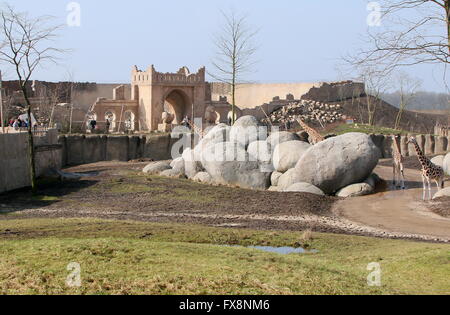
(14, 170)
(430, 144)
(80, 149)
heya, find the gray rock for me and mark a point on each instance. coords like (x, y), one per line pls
(172, 173)
(305, 188)
(447, 164)
(245, 131)
(217, 134)
(277, 138)
(275, 178)
(273, 188)
(260, 151)
(156, 168)
(178, 164)
(355, 190)
(288, 179)
(338, 162)
(228, 164)
(202, 177)
(438, 160)
(442, 193)
(191, 165)
(286, 155)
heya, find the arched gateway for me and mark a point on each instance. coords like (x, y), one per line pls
(152, 93)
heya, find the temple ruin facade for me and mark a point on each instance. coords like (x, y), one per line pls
(158, 100)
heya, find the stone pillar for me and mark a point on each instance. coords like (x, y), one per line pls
(429, 144)
(404, 145)
(421, 142)
(441, 145)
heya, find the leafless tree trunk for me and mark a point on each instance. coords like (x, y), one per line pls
(407, 90)
(376, 83)
(24, 46)
(235, 53)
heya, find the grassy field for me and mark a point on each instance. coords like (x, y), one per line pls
(122, 257)
(344, 128)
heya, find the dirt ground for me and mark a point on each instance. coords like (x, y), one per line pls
(120, 191)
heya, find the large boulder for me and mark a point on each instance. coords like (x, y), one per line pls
(338, 162)
(438, 160)
(229, 164)
(442, 193)
(216, 134)
(447, 164)
(156, 168)
(287, 154)
(260, 151)
(279, 137)
(245, 131)
(275, 178)
(305, 188)
(355, 190)
(288, 179)
(191, 165)
(178, 164)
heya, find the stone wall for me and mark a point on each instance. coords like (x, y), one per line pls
(430, 145)
(14, 170)
(80, 149)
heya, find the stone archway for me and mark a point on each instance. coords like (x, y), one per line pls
(177, 103)
(129, 121)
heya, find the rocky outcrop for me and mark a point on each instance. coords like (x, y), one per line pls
(338, 162)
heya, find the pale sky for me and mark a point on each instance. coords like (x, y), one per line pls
(299, 40)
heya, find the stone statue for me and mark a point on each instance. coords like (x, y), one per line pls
(211, 115)
(167, 118)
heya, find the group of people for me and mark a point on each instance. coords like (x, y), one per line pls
(18, 123)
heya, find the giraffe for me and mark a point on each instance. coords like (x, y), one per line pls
(197, 130)
(314, 136)
(399, 174)
(430, 171)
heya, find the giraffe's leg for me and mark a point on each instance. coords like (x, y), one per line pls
(402, 174)
(424, 187)
(394, 176)
(429, 189)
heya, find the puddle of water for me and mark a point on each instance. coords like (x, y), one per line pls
(282, 250)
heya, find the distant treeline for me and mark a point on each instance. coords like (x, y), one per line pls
(421, 101)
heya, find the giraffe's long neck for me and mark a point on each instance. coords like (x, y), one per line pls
(397, 147)
(422, 158)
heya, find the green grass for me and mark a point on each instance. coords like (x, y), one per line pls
(344, 128)
(137, 258)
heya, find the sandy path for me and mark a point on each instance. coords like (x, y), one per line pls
(396, 210)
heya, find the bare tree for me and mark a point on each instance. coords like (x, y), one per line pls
(407, 89)
(235, 52)
(411, 32)
(25, 45)
(376, 84)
